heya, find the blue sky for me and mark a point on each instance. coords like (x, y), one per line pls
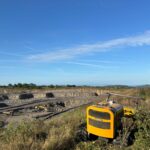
(83, 42)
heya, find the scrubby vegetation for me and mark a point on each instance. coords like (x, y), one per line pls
(142, 136)
(60, 133)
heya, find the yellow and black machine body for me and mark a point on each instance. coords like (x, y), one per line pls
(104, 119)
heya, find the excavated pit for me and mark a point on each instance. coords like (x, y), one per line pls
(45, 102)
(42, 94)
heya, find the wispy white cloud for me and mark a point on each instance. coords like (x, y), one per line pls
(106, 61)
(10, 54)
(92, 65)
(9, 60)
(29, 47)
(7, 67)
(63, 54)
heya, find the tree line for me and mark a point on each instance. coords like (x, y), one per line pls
(32, 86)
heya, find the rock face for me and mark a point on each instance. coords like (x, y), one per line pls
(26, 96)
(3, 97)
(42, 94)
(73, 94)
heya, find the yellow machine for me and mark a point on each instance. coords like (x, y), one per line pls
(105, 119)
(128, 111)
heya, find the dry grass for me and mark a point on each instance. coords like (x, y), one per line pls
(58, 133)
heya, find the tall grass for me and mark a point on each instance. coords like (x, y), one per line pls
(56, 134)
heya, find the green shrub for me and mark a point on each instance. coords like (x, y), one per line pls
(142, 137)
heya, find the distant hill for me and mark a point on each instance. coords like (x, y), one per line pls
(144, 86)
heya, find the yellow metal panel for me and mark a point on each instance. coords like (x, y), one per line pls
(128, 111)
(107, 133)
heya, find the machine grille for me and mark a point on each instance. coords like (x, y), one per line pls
(99, 115)
(99, 124)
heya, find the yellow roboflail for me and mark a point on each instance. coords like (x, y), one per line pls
(104, 119)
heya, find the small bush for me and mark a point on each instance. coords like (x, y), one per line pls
(142, 137)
